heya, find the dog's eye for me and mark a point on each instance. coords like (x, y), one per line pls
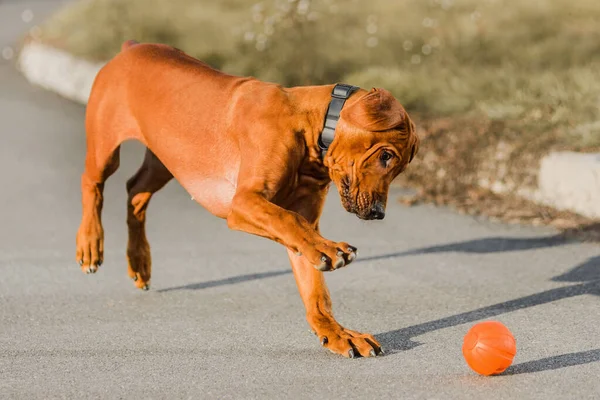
(385, 156)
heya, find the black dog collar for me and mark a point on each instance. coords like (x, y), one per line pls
(339, 95)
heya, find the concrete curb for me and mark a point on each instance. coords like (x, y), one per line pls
(571, 181)
(58, 71)
(566, 180)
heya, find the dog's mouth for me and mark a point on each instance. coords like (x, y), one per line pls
(364, 206)
(348, 201)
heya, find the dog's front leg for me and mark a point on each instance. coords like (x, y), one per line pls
(251, 212)
(315, 295)
(316, 299)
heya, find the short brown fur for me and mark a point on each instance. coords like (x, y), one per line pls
(247, 151)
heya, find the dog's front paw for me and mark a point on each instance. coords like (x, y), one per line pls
(349, 343)
(329, 256)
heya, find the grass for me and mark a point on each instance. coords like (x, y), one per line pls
(493, 84)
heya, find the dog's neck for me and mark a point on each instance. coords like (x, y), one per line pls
(313, 102)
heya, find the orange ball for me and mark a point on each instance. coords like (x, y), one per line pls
(489, 348)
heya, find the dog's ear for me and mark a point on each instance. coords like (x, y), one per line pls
(414, 150)
(377, 110)
(415, 143)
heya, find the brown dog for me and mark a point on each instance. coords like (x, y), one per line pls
(248, 151)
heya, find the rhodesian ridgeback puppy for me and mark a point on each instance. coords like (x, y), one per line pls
(251, 153)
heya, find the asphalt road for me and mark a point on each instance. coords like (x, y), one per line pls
(223, 318)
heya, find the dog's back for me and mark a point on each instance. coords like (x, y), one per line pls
(190, 115)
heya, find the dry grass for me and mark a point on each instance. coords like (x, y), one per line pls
(494, 84)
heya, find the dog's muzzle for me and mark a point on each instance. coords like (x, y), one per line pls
(377, 211)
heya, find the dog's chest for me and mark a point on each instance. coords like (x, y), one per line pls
(214, 194)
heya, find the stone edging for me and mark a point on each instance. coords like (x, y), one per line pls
(57, 71)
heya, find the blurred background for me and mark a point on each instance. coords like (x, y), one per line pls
(493, 85)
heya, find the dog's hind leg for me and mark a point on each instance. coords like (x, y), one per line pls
(102, 160)
(150, 178)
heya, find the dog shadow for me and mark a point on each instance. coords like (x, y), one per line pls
(482, 246)
(401, 339)
(227, 281)
(487, 245)
(585, 276)
(554, 362)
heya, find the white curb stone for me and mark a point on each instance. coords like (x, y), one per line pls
(58, 71)
(571, 181)
(566, 180)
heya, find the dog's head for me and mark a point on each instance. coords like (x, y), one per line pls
(375, 141)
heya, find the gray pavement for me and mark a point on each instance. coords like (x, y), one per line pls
(224, 320)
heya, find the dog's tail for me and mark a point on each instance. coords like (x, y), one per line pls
(129, 43)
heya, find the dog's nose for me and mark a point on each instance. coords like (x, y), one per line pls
(377, 211)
